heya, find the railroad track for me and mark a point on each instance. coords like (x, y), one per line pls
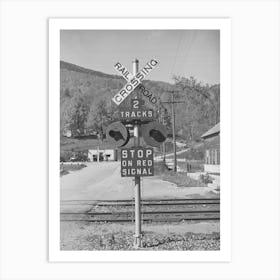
(121, 211)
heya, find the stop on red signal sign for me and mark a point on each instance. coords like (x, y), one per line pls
(137, 162)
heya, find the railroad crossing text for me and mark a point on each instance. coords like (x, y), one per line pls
(134, 81)
(143, 114)
(136, 112)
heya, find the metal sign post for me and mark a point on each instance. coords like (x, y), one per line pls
(137, 187)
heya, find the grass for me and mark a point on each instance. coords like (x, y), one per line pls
(65, 168)
(181, 179)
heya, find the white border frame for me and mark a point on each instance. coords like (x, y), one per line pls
(55, 254)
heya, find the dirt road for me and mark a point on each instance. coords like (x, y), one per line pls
(103, 181)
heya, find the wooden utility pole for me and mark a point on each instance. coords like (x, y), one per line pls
(163, 151)
(174, 134)
(172, 102)
(161, 119)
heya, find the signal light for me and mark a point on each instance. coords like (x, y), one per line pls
(154, 133)
(117, 134)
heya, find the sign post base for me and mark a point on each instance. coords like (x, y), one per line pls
(138, 243)
(138, 231)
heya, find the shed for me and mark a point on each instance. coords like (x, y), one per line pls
(102, 154)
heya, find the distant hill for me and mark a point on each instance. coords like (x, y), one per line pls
(74, 78)
(72, 67)
(192, 118)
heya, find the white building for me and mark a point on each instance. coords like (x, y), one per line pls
(102, 155)
(212, 152)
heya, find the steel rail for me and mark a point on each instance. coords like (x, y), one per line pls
(143, 200)
(163, 220)
(143, 212)
(158, 203)
(150, 215)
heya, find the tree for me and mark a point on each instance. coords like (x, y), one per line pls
(98, 117)
(196, 89)
(76, 114)
(201, 109)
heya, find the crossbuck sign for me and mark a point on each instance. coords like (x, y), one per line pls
(133, 81)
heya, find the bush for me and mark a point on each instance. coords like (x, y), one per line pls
(206, 178)
(160, 168)
(79, 156)
(65, 156)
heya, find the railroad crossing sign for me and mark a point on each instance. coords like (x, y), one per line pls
(134, 81)
(137, 161)
(137, 111)
(117, 134)
(154, 133)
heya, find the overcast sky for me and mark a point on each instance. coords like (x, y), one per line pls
(180, 52)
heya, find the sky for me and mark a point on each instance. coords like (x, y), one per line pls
(179, 52)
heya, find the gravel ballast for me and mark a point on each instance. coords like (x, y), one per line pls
(88, 236)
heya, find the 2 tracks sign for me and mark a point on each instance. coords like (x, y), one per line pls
(136, 111)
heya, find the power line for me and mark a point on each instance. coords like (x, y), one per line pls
(176, 55)
(191, 41)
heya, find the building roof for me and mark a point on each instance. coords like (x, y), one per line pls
(215, 130)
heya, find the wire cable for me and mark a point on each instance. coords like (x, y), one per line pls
(176, 55)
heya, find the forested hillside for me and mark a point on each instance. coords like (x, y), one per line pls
(85, 101)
